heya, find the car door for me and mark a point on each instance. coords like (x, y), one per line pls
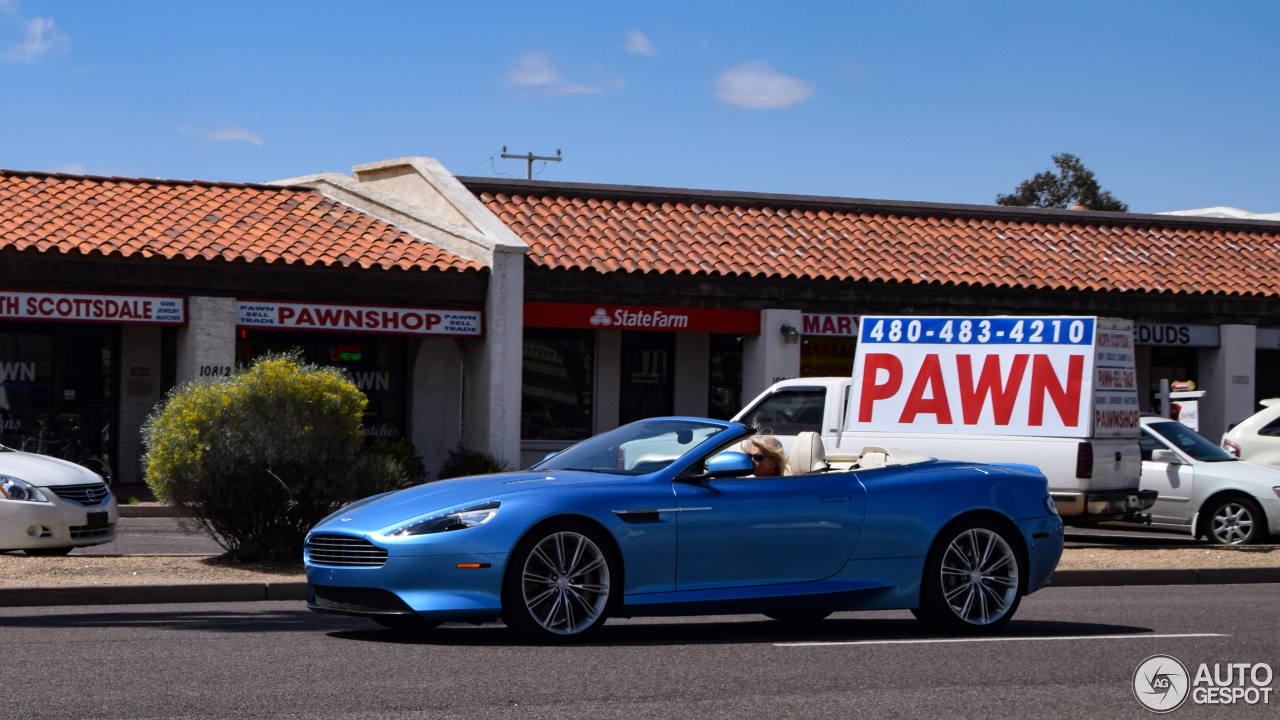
(1172, 482)
(736, 532)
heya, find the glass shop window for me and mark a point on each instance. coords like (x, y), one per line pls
(648, 382)
(377, 364)
(823, 356)
(1175, 364)
(726, 376)
(559, 372)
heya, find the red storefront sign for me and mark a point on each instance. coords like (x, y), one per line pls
(380, 319)
(93, 307)
(846, 325)
(592, 316)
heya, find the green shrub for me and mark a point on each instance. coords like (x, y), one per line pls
(261, 458)
(463, 462)
(406, 455)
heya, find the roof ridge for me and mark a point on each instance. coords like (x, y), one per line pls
(152, 181)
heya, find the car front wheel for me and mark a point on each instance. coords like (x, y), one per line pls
(972, 580)
(559, 584)
(1233, 521)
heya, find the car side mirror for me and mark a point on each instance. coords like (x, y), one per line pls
(1166, 456)
(729, 464)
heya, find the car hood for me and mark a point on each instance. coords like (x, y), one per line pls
(423, 500)
(1240, 472)
(45, 471)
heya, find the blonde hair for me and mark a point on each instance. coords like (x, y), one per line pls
(769, 447)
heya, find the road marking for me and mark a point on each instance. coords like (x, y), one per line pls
(999, 639)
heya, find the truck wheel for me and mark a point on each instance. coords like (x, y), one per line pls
(972, 580)
(1233, 521)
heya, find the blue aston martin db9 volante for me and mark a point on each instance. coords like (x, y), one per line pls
(664, 517)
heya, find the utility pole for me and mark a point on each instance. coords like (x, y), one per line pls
(529, 159)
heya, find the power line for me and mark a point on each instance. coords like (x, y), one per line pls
(529, 159)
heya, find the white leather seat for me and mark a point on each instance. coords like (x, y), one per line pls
(807, 454)
(872, 459)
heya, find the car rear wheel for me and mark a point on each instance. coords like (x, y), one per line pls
(48, 551)
(560, 583)
(1233, 521)
(972, 580)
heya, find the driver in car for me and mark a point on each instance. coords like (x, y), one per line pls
(766, 455)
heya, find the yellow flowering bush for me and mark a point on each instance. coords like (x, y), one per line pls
(258, 459)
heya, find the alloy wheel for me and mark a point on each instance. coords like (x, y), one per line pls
(979, 576)
(1232, 524)
(565, 583)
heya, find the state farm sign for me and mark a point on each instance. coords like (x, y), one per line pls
(591, 316)
(92, 307)
(358, 318)
(1043, 376)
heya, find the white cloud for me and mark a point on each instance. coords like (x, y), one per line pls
(221, 133)
(535, 71)
(71, 168)
(8, 6)
(637, 43)
(41, 37)
(755, 86)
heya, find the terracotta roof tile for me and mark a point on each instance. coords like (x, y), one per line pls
(575, 226)
(126, 217)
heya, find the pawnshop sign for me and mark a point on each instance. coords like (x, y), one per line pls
(592, 316)
(1041, 376)
(357, 318)
(92, 307)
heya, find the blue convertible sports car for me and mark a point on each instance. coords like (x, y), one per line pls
(663, 517)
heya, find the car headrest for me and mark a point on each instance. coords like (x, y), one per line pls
(807, 454)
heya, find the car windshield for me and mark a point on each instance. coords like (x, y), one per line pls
(1190, 442)
(635, 449)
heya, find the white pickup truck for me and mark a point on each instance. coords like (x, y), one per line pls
(1059, 393)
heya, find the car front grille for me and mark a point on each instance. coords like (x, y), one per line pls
(345, 550)
(84, 532)
(91, 494)
(359, 600)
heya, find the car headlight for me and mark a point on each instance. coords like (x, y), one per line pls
(15, 489)
(448, 522)
(1050, 505)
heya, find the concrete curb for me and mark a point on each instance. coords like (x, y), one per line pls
(249, 592)
(151, 594)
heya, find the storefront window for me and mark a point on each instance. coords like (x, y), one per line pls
(56, 390)
(377, 364)
(822, 356)
(1175, 364)
(558, 376)
(648, 387)
(726, 376)
(1268, 380)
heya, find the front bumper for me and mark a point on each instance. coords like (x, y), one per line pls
(55, 524)
(433, 586)
(1044, 538)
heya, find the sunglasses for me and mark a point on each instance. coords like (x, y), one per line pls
(758, 457)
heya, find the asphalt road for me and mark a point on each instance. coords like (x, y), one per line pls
(1071, 652)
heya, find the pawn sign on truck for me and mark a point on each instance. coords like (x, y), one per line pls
(1059, 393)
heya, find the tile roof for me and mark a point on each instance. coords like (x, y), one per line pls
(635, 229)
(172, 219)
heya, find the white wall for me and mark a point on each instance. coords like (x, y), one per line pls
(436, 401)
(1227, 377)
(208, 340)
(767, 358)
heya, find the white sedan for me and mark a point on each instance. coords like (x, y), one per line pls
(1257, 437)
(1201, 487)
(50, 506)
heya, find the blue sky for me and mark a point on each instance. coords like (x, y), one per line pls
(1173, 105)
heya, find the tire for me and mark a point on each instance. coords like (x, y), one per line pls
(973, 578)
(562, 580)
(405, 623)
(1233, 521)
(798, 618)
(48, 552)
